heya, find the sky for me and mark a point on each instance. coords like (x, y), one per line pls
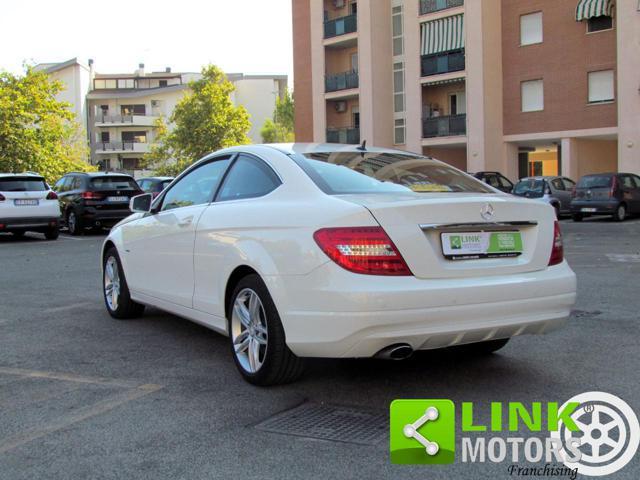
(248, 36)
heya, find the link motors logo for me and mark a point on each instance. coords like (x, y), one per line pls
(593, 434)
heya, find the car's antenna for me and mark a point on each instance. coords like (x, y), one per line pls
(363, 147)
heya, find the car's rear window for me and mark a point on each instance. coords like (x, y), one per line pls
(114, 183)
(22, 184)
(338, 173)
(529, 186)
(595, 181)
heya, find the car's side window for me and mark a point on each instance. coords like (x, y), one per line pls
(249, 177)
(505, 182)
(493, 181)
(197, 187)
(557, 184)
(627, 181)
(60, 185)
(144, 185)
(636, 179)
(568, 183)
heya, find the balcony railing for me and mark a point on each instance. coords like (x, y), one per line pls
(452, 61)
(341, 81)
(108, 147)
(430, 6)
(340, 26)
(347, 135)
(444, 126)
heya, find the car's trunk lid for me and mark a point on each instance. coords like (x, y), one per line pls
(416, 222)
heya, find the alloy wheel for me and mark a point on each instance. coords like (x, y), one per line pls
(622, 213)
(249, 330)
(112, 283)
(71, 222)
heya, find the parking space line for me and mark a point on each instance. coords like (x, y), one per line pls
(79, 415)
(68, 307)
(68, 377)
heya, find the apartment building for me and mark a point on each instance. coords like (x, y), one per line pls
(520, 86)
(119, 110)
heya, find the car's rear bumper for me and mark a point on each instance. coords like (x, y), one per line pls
(105, 218)
(594, 207)
(357, 319)
(36, 224)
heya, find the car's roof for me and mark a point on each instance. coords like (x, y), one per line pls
(159, 179)
(25, 174)
(609, 174)
(100, 174)
(301, 148)
(540, 177)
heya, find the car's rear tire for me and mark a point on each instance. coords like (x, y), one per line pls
(482, 348)
(52, 234)
(74, 223)
(621, 213)
(557, 209)
(577, 217)
(115, 289)
(257, 337)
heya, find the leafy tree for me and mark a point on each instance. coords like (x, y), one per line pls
(37, 132)
(280, 129)
(203, 121)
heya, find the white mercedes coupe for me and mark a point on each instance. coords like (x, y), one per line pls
(304, 250)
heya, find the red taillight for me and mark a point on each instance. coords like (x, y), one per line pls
(365, 250)
(557, 251)
(52, 196)
(614, 187)
(92, 196)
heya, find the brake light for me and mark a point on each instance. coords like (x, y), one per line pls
(364, 250)
(92, 196)
(557, 251)
(614, 187)
(52, 196)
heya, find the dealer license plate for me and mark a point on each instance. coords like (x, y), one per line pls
(473, 245)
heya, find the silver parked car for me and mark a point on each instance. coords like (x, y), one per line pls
(556, 191)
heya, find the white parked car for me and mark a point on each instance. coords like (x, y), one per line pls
(338, 251)
(27, 204)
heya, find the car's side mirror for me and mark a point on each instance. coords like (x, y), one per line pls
(141, 203)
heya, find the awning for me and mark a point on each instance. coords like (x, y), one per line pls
(442, 35)
(587, 9)
(443, 82)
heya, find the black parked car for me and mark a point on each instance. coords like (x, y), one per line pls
(496, 180)
(154, 185)
(615, 194)
(95, 200)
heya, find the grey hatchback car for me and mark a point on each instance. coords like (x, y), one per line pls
(556, 191)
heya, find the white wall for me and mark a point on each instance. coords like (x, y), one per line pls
(76, 81)
(258, 96)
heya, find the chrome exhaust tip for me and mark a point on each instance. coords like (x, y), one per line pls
(398, 351)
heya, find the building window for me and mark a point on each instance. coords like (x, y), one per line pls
(601, 86)
(532, 93)
(398, 87)
(597, 24)
(531, 28)
(397, 32)
(162, 83)
(134, 137)
(125, 83)
(102, 84)
(128, 110)
(399, 132)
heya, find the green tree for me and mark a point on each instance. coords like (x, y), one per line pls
(281, 128)
(37, 132)
(203, 121)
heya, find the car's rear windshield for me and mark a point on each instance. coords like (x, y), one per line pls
(595, 181)
(530, 186)
(338, 173)
(114, 183)
(22, 184)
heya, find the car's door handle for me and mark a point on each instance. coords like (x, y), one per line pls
(185, 222)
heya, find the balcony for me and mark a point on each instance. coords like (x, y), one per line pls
(120, 147)
(448, 126)
(431, 6)
(107, 120)
(446, 62)
(347, 135)
(341, 81)
(340, 26)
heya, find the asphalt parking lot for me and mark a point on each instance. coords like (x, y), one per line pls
(86, 396)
